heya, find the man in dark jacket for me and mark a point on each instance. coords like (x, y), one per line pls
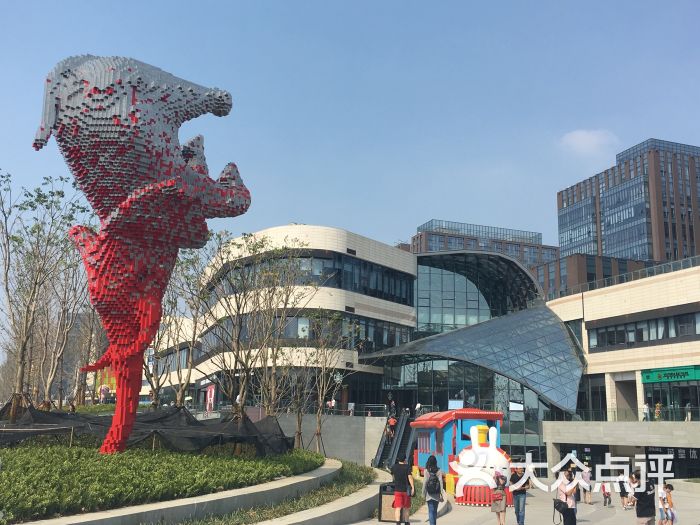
(646, 499)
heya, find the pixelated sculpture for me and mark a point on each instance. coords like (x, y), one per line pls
(116, 123)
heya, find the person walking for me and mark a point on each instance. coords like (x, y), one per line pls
(498, 498)
(622, 484)
(433, 493)
(392, 427)
(403, 488)
(688, 411)
(567, 496)
(663, 518)
(647, 411)
(586, 477)
(519, 494)
(670, 510)
(645, 501)
(607, 499)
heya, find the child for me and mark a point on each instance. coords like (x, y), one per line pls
(607, 500)
(670, 511)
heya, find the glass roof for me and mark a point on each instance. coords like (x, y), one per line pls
(531, 346)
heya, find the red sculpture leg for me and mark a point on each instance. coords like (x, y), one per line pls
(128, 373)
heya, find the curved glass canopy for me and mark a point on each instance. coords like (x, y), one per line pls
(532, 346)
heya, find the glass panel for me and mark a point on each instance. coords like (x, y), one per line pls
(592, 339)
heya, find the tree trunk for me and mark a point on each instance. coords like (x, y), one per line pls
(297, 435)
(19, 383)
(319, 415)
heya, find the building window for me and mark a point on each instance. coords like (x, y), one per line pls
(436, 243)
(641, 332)
(455, 243)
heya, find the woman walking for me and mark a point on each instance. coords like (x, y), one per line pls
(567, 496)
(432, 488)
(498, 498)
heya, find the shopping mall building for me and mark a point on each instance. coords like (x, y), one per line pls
(469, 327)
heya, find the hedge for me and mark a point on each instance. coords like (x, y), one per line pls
(39, 482)
(350, 479)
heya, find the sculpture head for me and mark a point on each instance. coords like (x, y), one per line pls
(116, 122)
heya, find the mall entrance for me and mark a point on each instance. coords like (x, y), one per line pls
(673, 394)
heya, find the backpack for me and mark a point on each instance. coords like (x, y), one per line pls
(433, 486)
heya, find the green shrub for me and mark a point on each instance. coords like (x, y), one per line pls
(41, 481)
(350, 479)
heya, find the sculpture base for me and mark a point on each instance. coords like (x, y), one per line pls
(480, 496)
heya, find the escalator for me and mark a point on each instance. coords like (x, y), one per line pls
(404, 434)
(387, 452)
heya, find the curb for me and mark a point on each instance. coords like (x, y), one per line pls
(349, 509)
(199, 507)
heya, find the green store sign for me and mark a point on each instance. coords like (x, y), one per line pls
(665, 375)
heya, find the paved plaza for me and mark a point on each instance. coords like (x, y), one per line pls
(539, 512)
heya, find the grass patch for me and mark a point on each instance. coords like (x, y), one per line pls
(352, 477)
(417, 501)
(43, 481)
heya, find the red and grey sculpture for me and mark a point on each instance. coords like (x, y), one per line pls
(116, 122)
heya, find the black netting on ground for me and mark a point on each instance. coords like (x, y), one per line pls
(175, 429)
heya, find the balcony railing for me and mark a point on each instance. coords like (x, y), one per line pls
(679, 414)
(672, 266)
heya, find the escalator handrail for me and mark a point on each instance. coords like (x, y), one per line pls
(395, 444)
(380, 450)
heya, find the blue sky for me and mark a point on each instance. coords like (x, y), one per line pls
(377, 116)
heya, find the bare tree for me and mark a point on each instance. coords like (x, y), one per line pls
(155, 367)
(254, 287)
(91, 341)
(330, 335)
(33, 228)
(62, 300)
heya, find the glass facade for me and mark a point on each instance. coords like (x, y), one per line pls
(457, 290)
(476, 230)
(351, 332)
(339, 270)
(439, 384)
(645, 333)
(531, 347)
(577, 228)
(626, 220)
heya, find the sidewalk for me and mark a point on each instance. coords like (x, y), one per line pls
(538, 511)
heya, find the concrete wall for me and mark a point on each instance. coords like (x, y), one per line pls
(353, 438)
(629, 433)
(625, 438)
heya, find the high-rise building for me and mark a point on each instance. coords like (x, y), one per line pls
(524, 246)
(645, 207)
(581, 272)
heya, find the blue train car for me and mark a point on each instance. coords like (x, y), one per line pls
(446, 434)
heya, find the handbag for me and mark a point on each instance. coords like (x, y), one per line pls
(560, 506)
(496, 496)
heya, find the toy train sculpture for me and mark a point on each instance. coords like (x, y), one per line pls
(467, 445)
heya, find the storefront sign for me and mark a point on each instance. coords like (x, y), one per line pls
(665, 375)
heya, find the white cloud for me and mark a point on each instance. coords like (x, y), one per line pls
(589, 142)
